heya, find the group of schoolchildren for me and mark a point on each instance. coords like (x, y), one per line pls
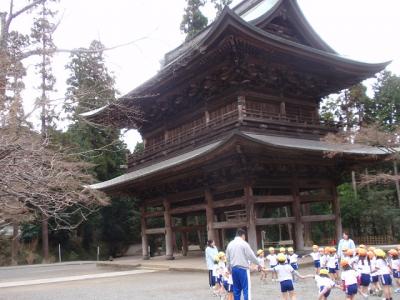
(367, 271)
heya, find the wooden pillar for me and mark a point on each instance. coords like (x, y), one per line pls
(298, 225)
(241, 107)
(307, 226)
(184, 235)
(210, 215)
(336, 211)
(169, 243)
(251, 217)
(145, 241)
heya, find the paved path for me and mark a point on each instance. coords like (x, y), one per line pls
(163, 285)
(20, 273)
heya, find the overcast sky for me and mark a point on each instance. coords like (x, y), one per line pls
(366, 30)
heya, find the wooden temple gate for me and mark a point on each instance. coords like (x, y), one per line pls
(232, 131)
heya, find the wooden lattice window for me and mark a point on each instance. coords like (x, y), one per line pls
(222, 110)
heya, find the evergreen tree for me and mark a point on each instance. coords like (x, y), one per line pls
(193, 19)
(385, 109)
(92, 86)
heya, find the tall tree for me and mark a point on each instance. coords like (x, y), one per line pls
(42, 37)
(385, 109)
(91, 86)
(193, 19)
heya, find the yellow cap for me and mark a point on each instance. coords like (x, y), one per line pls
(282, 249)
(290, 249)
(393, 252)
(259, 251)
(345, 248)
(379, 253)
(270, 249)
(323, 272)
(315, 247)
(221, 254)
(216, 258)
(362, 246)
(281, 257)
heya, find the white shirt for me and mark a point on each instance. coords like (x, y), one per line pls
(373, 266)
(323, 259)
(349, 277)
(221, 268)
(284, 272)
(293, 258)
(395, 263)
(261, 261)
(331, 263)
(272, 259)
(323, 282)
(364, 268)
(382, 266)
(315, 255)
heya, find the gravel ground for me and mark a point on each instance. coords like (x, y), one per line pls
(159, 285)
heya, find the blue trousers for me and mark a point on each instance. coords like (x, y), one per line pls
(240, 283)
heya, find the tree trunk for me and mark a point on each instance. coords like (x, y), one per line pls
(14, 244)
(45, 239)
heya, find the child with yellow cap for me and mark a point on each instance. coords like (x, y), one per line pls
(285, 273)
(316, 257)
(261, 261)
(383, 270)
(324, 283)
(271, 257)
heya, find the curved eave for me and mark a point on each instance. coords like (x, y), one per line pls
(229, 19)
(205, 153)
(299, 19)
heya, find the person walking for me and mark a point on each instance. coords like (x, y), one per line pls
(345, 243)
(210, 253)
(239, 255)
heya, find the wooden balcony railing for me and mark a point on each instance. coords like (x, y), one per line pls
(218, 125)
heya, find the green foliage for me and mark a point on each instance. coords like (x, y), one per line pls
(29, 232)
(193, 19)
(91, 86)
(373, 212)
(385, 109)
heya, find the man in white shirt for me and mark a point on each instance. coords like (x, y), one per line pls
(345, 242)
(238, 255)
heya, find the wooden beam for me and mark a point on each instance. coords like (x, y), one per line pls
(153, 214)
(227, 225)
(316, 198)
(229, 202)
(186, 209)
(273, 199)
(275, 221)
(160, 230)
(188, 228)
(318, 218)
